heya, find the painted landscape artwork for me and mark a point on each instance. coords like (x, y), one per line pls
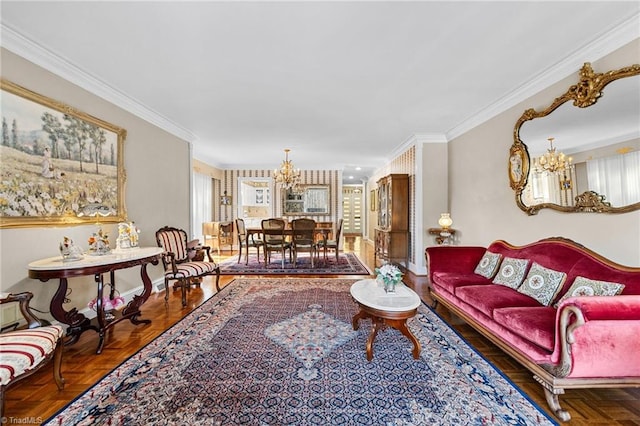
(58, 165)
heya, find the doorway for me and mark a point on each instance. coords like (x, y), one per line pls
(352, 210)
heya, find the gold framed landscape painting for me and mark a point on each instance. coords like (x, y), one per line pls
(58, 165)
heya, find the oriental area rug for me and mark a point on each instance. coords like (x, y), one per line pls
(283, 352)
(346, 264)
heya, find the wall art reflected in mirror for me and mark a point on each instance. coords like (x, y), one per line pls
(304, 200)
(582, 153)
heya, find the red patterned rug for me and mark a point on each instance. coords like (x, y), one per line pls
(282, 351)
(347, 264)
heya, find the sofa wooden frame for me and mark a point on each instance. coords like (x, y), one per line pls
(552, 381)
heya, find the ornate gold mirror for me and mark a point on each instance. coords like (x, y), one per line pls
(585, 157)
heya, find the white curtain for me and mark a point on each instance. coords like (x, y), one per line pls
(202, 207)
(617, 177)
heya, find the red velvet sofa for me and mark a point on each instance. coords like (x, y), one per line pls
(581, 342)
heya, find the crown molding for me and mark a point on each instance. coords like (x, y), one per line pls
(627, 31)
(50, 61)
(417, 139)
(604, 44)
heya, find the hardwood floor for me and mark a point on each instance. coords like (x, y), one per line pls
(37, 398)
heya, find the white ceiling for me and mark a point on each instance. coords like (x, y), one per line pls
(342, 84)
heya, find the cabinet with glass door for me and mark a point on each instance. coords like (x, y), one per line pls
(392, 233)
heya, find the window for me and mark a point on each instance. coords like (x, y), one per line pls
(618, 177)
(201, 205)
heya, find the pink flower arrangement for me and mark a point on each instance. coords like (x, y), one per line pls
(107, 304)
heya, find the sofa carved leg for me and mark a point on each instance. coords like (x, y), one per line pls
(554, 404)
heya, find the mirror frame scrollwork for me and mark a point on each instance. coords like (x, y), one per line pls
(583, 94)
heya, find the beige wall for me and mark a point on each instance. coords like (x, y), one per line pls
(482, 202)
(158, 169)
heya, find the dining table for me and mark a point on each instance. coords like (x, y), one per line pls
(323, 231)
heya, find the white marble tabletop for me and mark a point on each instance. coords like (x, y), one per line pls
(371, 293)
(87, 260)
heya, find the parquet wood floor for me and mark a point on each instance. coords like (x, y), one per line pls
(37, 398)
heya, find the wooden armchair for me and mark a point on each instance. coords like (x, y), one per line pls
(178, 265)
(25, 351)
(303, 239)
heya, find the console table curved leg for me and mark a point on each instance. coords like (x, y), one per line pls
(132, 310)
(76, 321)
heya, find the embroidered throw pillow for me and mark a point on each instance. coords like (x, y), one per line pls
(543, 284)
(586, 287)
(511, 272)
(488, 265)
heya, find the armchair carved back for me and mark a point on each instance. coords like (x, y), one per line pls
(173, 240)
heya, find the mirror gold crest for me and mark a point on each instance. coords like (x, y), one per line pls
(585, 157)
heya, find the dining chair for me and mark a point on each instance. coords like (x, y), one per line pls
(332, 244)
(303, 239)
(245, 244)
(274, 239)
(179, 264)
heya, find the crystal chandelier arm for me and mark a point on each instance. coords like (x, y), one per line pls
(287, 176)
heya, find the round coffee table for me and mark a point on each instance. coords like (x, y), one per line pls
(392, 309)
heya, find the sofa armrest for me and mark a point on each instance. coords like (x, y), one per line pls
(597, 336)
(463, 259)
(621, 307)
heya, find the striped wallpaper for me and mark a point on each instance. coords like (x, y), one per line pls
(333, 178)
(404, 163)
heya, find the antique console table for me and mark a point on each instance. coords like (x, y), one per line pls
(54, 267)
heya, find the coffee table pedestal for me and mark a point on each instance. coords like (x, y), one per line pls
(392, 309)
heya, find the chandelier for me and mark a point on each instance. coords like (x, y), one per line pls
(287, 176)
(552, 161)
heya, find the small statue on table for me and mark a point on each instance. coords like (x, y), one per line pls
(127, 236)
(69, 250)
(99, 243)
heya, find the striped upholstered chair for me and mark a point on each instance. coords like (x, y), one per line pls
(179, 263)
(25, 351)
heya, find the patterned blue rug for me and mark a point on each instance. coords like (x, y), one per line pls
(346, 264)
(283, 352)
